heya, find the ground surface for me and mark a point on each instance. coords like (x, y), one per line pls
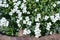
(50, 37)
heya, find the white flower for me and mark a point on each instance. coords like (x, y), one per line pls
(4, 1)
(53, 18)
(14, 0)
(38, 15)
(29, 23)
(49, 23)
(58, 2)
(36, 19)
(24, 10)
(37, 25)
(24, 21)
(18, 3)
(26, 31)
(15, 8)
(19, 25)
(23, 5)
(10, 13)
(57, 16)
(27, 18)
(17, 21)
(35, 9)
(28, 12)
(37, 0)
(51, 32)
(37, 32)
(4, 22)
(24, 1)
(6, 5)
(19, 13)
(0, 1)
(38, 35)
(54, 5)
(20, 18)
(48, 26)
(7, 23)
(46, 17)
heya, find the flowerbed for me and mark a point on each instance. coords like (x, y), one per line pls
(34, 17)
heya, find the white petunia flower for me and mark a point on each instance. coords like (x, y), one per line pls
(20, 18)
(38, 35)
(0, 1)
(58, 2)
(46, 17)
(37, 0)
(4, 1)
(17, 21)
(18, 3)
(54, 5)
(48, 26)
(36, 19)
(24, 10)
(4, 22)
(28, 12)
(57, 16)
(27, 18)
(26, 31)
(24, 1)
(37, 25)
(10, 13)
(53, 18)
(51, 32)
(29, 23)
(19, 25)
(38, 15)
(22, 5)
(14, 0)
(37, 32)
(35, 10)
(24, 21)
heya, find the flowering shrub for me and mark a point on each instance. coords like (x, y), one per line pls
(34, 17)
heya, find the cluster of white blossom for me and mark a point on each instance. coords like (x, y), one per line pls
(37, 0)
(55, 4)
(37, 30)
(58, 2)
(27, 21)
(4, 22)
(3, 3)
(23, 7)
(55, 17)
(48, 26)
(15, 9)
(46, 17)
(38, 17)
(26, 31)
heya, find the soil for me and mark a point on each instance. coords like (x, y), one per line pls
(50, 37)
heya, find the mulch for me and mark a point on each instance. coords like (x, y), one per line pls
(50, 37)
